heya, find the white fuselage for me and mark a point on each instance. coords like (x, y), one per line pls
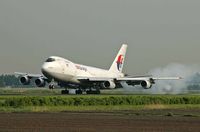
(64, 70)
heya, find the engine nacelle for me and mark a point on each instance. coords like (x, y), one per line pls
(40, 82)
(25, 80)
(146, 84)
(108, 84)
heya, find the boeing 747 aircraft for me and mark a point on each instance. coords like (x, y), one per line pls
(86, 78)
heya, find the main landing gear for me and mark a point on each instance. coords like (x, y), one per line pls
(65, 91)
(79, 91)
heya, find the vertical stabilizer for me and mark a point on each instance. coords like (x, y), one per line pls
(118, 63)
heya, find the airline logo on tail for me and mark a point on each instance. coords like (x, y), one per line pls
(120, 61)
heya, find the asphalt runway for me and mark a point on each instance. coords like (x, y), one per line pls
(100, 122)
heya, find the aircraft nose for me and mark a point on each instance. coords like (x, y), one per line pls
(45, 68)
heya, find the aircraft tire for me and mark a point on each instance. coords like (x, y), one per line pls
(51, 86)
(65, 92)
(79, 91)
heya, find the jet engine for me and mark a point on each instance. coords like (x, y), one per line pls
(40, 82)
(108, 84)
(146, 84)
(25, 80)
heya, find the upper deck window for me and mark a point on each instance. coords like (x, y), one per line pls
(50, 60)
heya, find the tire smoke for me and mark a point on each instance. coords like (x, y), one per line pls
(173, 86)
(187, 72)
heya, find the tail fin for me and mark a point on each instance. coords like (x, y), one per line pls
(118, 63)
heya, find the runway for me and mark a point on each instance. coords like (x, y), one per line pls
(102, 122)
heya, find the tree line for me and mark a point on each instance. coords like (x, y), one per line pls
(12, 81)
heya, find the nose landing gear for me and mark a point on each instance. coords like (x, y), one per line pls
(51, 86)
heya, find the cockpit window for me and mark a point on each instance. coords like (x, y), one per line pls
(50, 60)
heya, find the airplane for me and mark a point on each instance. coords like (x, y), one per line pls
(87, 79)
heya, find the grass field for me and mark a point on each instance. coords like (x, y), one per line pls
(114, 109)
(29, 91)
(98, 103)
(46, 91)
(45, 100)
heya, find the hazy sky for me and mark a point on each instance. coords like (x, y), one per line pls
(158, 32)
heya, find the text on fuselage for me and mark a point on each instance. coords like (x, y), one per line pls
(81, 68)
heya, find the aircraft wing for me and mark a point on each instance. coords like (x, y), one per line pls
(145, 82)
(146, 78)
(30, 75)
(142, 78)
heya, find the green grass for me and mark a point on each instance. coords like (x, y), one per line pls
(105, 100)
(46, 91)
(44, 100)
(98, 100)
(119, 108)
(89, 100)
(29, 91)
